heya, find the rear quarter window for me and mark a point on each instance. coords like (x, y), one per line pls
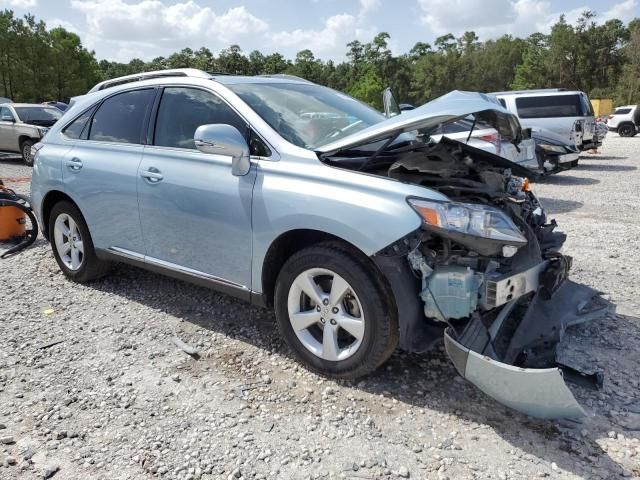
(551, 106)
(621, 111)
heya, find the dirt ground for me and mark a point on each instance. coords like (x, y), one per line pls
(92, 386)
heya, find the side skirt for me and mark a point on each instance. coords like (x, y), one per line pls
(181, 273)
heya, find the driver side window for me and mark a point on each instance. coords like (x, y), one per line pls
(182, 110)
(5, 112)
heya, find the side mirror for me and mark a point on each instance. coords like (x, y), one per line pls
(8, 118)
(223, 139)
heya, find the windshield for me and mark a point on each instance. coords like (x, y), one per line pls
(307, 115)
(38, 115)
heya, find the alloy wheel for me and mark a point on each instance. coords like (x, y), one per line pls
(68, 241)
(326, 314)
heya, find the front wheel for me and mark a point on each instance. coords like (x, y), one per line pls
(627, 130)
(25, 149)
(334, 313)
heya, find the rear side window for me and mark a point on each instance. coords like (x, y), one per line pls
(622, 111)
(551, 106)
(182, 110)
(76, 128)
(502, 102)
(121, 118)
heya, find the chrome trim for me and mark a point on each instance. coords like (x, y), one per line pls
(123, 252)
(192, 272)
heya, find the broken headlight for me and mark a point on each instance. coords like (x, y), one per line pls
(552, 148)
(470, 219)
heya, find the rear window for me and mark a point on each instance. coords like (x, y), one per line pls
(622, 111)
(552, 106)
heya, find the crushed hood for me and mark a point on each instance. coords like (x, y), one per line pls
(447, 108)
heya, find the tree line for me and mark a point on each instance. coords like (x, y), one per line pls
(38, 64)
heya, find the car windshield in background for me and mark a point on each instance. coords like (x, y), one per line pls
(572, 105)
(306, 115)
(43, 116)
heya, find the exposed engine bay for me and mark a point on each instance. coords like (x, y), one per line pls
(487, 269)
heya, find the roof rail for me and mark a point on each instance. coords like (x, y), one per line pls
(534, 90)
(136, 77)
(285, 76)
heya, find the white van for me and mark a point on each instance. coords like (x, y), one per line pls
(566, 112)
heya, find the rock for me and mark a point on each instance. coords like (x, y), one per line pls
(403, 472)
(7, 440)
(11, 460)
(50, 470)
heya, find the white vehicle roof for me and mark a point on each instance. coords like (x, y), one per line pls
(546, 92)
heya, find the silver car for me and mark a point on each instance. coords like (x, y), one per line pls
(24, 124)
(360, 232)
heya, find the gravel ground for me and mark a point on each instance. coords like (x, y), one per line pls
(116, 399)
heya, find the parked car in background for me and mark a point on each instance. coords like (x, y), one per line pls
(553, 152)
(59, 105)
(357, 230)
(566, 113)
(5, 100)
(23, 124)
(483, 136)
(625, 120)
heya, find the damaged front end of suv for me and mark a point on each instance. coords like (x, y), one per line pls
(485, 269)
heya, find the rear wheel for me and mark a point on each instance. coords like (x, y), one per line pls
(333, 313)
(627, 130)
(72, 245)
(25, 149)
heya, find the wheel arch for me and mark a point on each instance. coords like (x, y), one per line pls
(292, 241)
(23, 138)
(51, 198)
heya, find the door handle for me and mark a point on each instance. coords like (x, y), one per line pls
(74, 164)
(153, 175)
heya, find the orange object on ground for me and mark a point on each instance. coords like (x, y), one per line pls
(12, 223)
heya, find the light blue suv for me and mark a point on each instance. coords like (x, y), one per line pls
(360, 231)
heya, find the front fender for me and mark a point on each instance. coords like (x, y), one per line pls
(368, 211)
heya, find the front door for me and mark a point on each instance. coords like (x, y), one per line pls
(195, 215)
(8, 137)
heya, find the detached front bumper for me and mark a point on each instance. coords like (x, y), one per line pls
(512, 356)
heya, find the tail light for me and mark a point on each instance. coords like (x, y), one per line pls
(493, 138)
(610, 116)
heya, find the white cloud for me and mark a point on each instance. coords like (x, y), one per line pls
(444, 16)
(151, 26)
(493, 18)
(329, 42)
(625, 11)
(337, 29)
(367, 6)
(18, 3)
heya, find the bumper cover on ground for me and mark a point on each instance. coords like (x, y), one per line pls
(513, 359)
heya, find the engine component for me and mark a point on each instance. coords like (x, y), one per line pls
(448, 291)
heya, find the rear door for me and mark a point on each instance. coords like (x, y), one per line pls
(195, 214)
(100, 172)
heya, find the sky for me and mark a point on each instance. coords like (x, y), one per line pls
(120, 30)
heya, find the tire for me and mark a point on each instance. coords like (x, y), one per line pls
(627, 130)
(365, 309)
(25, 150)
(87, 266)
